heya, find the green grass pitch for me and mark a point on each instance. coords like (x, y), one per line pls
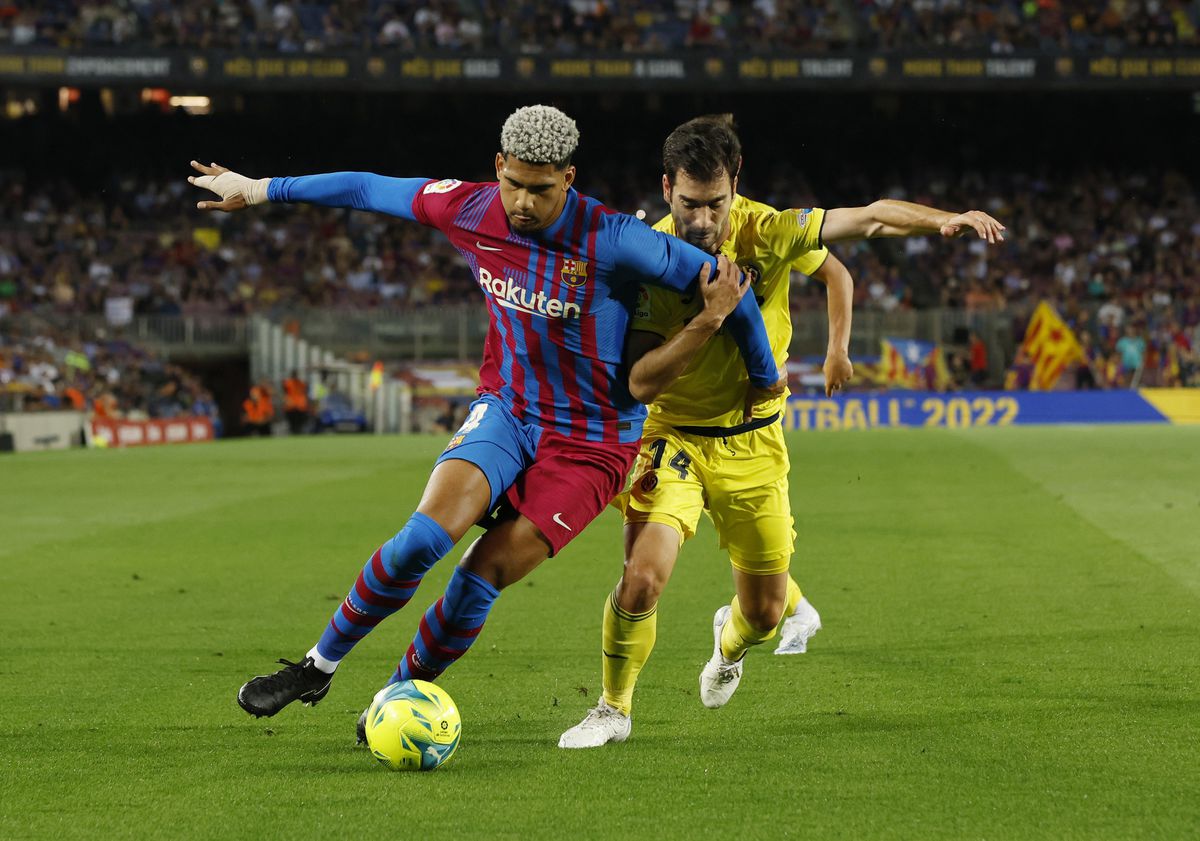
(1011, 650)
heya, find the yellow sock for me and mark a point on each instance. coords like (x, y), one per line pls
(793, 599)
(628, 641)
(739, 636)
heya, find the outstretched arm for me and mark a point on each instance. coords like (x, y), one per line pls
(358, 190)
(667, 261)
(890, 218)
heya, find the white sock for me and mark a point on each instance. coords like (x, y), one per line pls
(327, 666)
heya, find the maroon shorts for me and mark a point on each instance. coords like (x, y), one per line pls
(569, 483)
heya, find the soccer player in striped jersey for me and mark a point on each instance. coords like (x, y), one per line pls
(555, 430)
(700, 453)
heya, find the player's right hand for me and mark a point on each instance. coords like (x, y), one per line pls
(236, 191)
(721, 293)
(759, 394)
(838, 371)
(975, 220)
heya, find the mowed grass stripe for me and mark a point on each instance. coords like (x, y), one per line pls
(47, 497)
(1139, 484)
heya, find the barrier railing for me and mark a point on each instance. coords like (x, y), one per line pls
(457, 332)
(198, 334)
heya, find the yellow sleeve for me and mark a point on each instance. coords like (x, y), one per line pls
(657, 311)
(808, 262)
(788, 234)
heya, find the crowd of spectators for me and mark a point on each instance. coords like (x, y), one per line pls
(1109, 250)
(1009, 25)
(45, 368)
(566, 26)
(1119, 242)
(138, 248)
(1116, 254)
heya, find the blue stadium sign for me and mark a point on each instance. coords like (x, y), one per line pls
(991, 408)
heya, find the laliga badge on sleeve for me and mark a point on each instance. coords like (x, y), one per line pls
(443, 186)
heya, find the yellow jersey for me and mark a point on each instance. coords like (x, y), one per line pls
(766, 243)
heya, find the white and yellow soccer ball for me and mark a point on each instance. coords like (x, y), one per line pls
(413, 725)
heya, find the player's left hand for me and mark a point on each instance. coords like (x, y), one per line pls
(721, 293)
(757, 394)
(978, 221)
(838, 371)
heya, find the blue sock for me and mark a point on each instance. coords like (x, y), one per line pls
(449, 627)
(385, 585)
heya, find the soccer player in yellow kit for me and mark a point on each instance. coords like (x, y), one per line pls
(702, 450)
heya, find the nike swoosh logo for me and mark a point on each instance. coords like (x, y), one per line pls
(480, 245)
(558, 519)
(615, 656)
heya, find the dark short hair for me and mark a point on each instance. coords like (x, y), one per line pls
(703, 148)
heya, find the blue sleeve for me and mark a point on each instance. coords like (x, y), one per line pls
(359, 190)
(668, 261)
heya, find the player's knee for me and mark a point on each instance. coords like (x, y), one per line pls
(640, 587)
(763, 615)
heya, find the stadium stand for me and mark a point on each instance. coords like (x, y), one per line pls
(1099, 236)
(573, 26)
(43, 368)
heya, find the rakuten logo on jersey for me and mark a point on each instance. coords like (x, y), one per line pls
(508, 294)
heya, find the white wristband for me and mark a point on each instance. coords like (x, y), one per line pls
(256, 190)
(227, 185)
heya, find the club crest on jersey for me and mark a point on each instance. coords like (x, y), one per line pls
(574, 272)
(642, 310)
(443, 186)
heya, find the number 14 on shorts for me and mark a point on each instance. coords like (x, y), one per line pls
(680, 462)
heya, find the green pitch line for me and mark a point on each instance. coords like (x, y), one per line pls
(1009, 652)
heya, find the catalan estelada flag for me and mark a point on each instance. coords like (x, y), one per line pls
(376, 379)
(1050, 345)
(908, 363)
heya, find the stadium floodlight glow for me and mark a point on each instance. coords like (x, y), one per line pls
(67, 97)
(191, 104)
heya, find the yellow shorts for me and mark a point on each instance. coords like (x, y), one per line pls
(741, 481)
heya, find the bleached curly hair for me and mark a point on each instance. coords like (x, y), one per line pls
(539, 134)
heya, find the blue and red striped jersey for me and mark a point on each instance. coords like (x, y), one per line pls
(559, 300)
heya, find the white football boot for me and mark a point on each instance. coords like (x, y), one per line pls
(602, 724)
(720, 676)
(798, 628)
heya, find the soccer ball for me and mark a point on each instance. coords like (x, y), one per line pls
(413, 725)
